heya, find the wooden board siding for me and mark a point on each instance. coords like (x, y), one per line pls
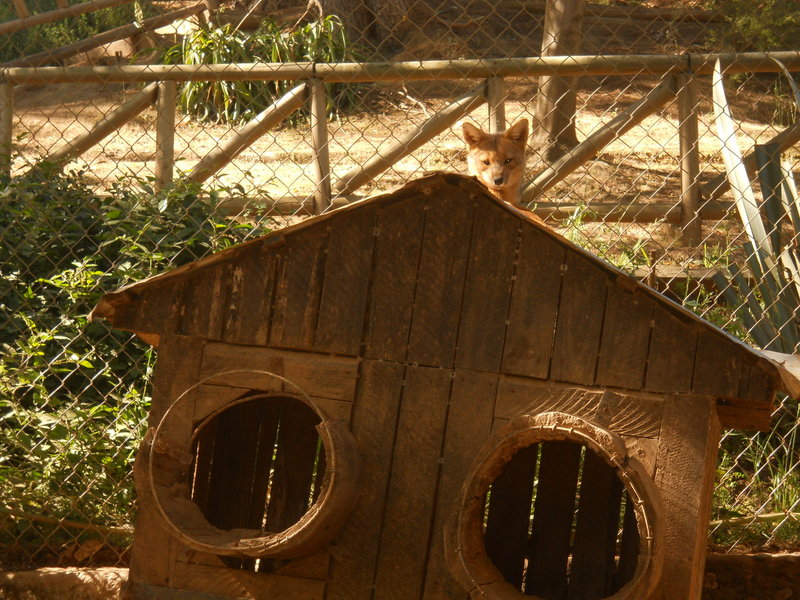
(205, 298)
(487, 291)
(395, 268)
(440, 281)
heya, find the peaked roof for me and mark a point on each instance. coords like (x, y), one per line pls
(442, 273)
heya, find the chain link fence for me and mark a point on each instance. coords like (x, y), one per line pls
(101, 188)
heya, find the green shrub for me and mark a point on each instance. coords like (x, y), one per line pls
(73, 393)
(238, 101)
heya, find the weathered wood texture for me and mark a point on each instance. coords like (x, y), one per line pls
(441, 274)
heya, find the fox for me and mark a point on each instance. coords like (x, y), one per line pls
(498, 159)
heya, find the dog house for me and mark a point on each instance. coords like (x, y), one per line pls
(427, 394)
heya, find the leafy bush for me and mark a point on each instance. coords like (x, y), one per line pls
(73, 393)
(238, 101)
(762, 26)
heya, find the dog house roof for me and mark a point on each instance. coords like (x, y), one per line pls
(441, 273)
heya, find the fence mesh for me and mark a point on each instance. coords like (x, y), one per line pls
(74, 394)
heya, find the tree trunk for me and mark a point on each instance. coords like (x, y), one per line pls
(555, 103)
(380, 24)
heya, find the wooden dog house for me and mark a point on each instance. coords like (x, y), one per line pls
(427, 394)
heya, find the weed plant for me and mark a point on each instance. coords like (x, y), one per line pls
(73, 393)
(324, 40)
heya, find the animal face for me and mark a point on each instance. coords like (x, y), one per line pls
(498, 159)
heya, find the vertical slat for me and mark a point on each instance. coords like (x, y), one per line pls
(496, 98)
(534, 304)
(299, 290)
(406, 531)
(204, 299)
(716, 367)
(670, 359)
(546, 575)
(626, 338)
(580, 321)
(294, 465)
(267, 419)
(440, 281)
(248, 312)
(165, 134)
(319, 141)
(203, 464)
(629, 549)
(487, 291)
(346, 285)
(395, 266)
(685, 470)
(595, 530)
(6, 126)
(506, 533)
(691, 230)
(373, 423)
(469, 422)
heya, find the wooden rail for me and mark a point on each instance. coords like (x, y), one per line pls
(64, 11)
(678, 72)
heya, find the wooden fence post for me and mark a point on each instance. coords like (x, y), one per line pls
(22, 9)
(319, 138)
(691, 223)
(165, 134)
(496, 98)
(6, 126)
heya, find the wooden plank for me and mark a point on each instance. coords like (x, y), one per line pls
(629, 548)
(687, 458)
(373, 425)
(396, 262)
(469, 422)
(406, 531)
(634, 415)
(228, 583)
(440, 280)
(625, 340)
(592, 567)
(346, 285)
(534, 304)
(506, 535)
(249, 310)
(487, 291)
(154, 549)
(546, 575)
(718, 366)
(204, 299)
(318, 376)
(580, 321)
(517, 396)
(670, 359)
(299, 289)
(158, 310)
(293, 466)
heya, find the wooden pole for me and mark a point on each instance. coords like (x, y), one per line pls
(496, 98)
(56, 15)
(107, 125)
(406, 144)
(6, 126)
(62, 3)
(436, 70)
(22, 9)
(254, 129)
(691, 225)
(319, 139)
(165, 134)
(113, 35)
(787, 138)
(587, 149)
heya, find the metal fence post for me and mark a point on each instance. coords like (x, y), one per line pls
(319, 139)
(6, 125)
(496, 97)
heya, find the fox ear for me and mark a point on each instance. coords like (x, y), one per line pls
(518, 132)
(472, 135)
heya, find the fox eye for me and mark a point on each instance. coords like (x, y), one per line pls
(508, 160)
(486, 161)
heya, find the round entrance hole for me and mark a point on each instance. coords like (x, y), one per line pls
(555, 508)
(264, 476)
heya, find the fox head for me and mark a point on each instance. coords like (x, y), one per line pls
(498, 159)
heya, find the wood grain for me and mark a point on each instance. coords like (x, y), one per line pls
(670, 360)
